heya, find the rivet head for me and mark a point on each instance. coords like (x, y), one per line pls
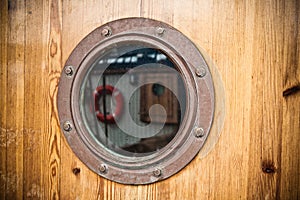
(106, 32)
(199, 132)
(160, 30)
(69, 70)
(67, 126)
(157, 172)
(200, 72)
(102, 168)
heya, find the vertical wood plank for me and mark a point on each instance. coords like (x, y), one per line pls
(37, 170)
(266, 101)
(290, 162)
(15, 99)
(3, 95)
(232, 51)
(53, 9)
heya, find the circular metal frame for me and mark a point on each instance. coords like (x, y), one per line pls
(196, 123)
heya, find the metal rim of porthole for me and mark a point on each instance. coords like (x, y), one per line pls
(196, 123)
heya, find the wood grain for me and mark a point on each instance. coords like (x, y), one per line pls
(290, 162)
(15, 99)
(266, 103)
(3, 99)
(255, 47)
(35, 105)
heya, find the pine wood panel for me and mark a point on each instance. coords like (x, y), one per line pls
(255, 46)
(3, 89)
(14, 100)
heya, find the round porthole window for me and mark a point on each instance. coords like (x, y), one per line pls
(136, 101)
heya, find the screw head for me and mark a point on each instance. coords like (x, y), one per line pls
(157, 172)
(67, 126)
(106, 32)
(199, 132)
(160, 30)
(102, 168)
(69, 70)
(201, 72)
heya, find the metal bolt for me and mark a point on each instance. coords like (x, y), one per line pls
(157, 172)
(106, 32)
(160, 30)
(201, 72)
(69, 70)
(199, 132)
(102, 168)
(67, 126)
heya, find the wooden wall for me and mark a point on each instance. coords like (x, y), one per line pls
(256, 48)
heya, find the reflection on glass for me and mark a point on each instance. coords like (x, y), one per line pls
(132, 99)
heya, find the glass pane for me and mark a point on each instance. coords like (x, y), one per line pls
(132, 99)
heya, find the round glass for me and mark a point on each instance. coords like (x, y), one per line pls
(132, 99)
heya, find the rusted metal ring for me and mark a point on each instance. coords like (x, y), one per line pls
(199, 105)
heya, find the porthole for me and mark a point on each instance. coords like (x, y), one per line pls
(136, 101)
